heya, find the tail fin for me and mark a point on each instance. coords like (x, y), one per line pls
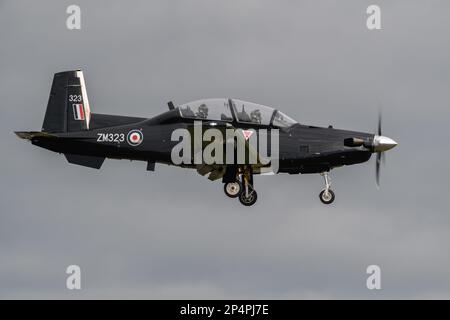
(68, 107)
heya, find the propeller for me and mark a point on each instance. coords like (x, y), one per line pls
(378, 161)
(381, 158)
(379, 145)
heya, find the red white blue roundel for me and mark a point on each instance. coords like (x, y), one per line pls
(135, 137)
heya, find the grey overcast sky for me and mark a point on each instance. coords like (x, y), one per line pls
(173, 233)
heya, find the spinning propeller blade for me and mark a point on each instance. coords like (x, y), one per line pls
(380, 145)
(378, 160)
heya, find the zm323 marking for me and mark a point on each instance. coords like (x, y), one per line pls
(110, 137)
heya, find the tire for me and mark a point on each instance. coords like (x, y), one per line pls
(232, 189)
(327, 199)
(250, 200)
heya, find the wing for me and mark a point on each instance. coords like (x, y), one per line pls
(217, 171)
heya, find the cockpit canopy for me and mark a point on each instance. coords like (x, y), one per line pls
(233, 109)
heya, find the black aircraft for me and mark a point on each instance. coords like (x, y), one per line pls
(87, 138)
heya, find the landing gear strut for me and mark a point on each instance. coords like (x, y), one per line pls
(326, 195)
(248, 195)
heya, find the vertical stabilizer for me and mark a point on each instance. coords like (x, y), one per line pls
(68, 108)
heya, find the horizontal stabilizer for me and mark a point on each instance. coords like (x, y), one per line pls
(32, 134)
(86, 161)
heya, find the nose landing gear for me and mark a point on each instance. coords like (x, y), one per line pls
(326, 195)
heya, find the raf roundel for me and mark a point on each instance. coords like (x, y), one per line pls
(135, 137)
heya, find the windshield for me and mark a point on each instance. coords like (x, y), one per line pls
(283, 121)
(208, 109)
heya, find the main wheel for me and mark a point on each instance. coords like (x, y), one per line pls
(327, 197)
(250, 200)
(232, 189)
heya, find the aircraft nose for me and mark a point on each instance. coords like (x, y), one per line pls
(382, 143)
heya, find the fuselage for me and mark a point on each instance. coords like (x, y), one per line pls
(302, 148)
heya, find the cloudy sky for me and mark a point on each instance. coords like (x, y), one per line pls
(173, 233)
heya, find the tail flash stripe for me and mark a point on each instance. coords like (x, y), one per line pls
(80, 108)
(78, 112)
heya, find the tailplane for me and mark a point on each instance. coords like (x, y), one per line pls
(29, 135)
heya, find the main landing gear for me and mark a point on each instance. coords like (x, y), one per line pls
(242, 188)
(233, 189)
(326, 195)
(248, 195)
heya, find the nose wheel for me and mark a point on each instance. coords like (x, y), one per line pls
(326, 195)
